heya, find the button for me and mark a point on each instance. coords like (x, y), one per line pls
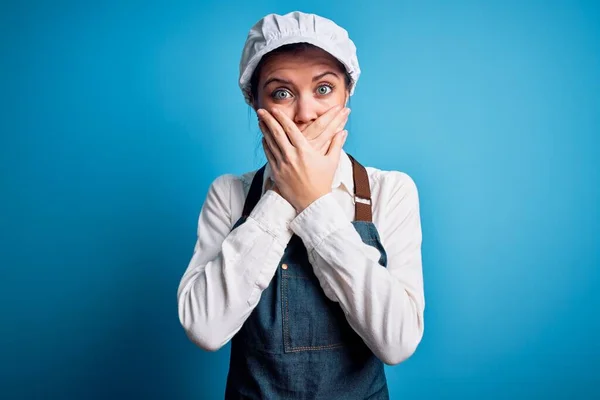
(284, 266)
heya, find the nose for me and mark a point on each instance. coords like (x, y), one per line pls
(306, 112)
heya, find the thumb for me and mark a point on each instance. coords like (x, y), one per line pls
(336, 144)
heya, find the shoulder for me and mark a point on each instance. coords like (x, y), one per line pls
(391, 180)
(392, 192)
(229, 191)
(233, 183)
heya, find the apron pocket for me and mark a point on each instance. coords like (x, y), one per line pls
(310, 320)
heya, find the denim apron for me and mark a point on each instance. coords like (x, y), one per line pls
(296, 343)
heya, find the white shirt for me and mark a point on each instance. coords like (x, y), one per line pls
(229, 270)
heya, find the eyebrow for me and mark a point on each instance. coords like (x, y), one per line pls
(280, 80)
(320, 76)
(286, 82)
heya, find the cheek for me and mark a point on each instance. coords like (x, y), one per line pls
(326, 103)
(338, 97)
(287, 110)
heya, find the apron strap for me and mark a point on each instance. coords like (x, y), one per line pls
(254, 193)
(362, 192)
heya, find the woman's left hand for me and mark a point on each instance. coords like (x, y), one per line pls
(301, 173)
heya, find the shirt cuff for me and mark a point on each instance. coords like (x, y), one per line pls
(323, 217)
(273, 213)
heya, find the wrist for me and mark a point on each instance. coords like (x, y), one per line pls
(307, 200)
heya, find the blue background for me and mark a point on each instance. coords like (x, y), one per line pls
(116, 117)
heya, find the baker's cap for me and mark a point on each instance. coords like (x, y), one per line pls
(275, 30)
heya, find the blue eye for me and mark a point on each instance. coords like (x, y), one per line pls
(281, 94)
(324, 89)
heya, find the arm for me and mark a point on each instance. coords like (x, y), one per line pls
(230, 269)
(383, 305)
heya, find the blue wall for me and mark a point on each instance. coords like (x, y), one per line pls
(116, 116)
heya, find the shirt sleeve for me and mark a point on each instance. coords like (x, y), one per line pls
(383, 305)
(229, 269)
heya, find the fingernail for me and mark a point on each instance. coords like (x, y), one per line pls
(347, 111)
(261, 112)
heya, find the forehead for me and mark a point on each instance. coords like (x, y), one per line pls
(304, 61)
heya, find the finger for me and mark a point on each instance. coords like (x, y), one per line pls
(318, 126)
(295, 136)
(339, 121)
(325, 137)
(342, 124)
(270, 158)
(323, 146)
(268, 136)
(334, 122)
(273, 160)
(276, 130)
(335, 149)
(337, 124)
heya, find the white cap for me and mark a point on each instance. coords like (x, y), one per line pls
(275, 30)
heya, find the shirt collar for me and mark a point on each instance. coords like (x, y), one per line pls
(343, 175)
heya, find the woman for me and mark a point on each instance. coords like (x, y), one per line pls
(311, 265)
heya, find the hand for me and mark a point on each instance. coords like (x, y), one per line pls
(320, 133)
(302, 174)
